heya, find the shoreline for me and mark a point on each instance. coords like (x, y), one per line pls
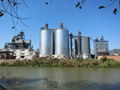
(79, 63)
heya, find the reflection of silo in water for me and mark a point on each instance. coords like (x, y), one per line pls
(85, 41)
(61, 42)
(46, 41)
(77, 41)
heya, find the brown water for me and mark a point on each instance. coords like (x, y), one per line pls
(17, 78)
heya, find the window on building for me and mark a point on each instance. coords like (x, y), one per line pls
(31, 53)
(22, 56)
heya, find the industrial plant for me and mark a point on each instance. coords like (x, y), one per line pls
(59, 43)
(18, 48)
(101, 47)
(55, 43)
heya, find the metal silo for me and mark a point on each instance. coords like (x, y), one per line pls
(71, 45)
(85, 41)
(46, 41)
(77, 42)
(61, 42)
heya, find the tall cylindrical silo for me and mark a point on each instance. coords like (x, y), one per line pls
(77, 42)
(78, 51)
(46, 41)
(61, 42)
(85, 41)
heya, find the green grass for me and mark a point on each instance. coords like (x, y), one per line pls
(78, 62)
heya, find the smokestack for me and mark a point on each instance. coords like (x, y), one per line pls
(46, 25)
(79, 33)
(61, 25)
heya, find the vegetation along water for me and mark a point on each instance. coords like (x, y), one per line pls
(78, 62)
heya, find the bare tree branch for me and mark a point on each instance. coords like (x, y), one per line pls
(10, 7)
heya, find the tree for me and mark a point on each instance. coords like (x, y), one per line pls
(79, 4)
(10, 7)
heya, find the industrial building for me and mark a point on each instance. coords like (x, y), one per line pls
(115, 52)
(101, 47)
(82, 46)
(54, 43)
(58, 43)
(18, 48)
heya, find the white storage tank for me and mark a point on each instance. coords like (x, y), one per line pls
(46, 41)
(61, 42)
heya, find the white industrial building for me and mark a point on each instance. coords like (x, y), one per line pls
(23, 54)
(101, 47)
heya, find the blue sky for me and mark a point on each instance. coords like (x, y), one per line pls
(89, 20)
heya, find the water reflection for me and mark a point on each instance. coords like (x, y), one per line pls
(26, 84)
(86, 85)
(59, 79)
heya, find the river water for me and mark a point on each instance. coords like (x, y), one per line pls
(28, 78)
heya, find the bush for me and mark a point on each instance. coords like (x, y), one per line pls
(5, 64)
(104, 59)
(78, 62)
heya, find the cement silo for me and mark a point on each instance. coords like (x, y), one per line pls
(85, 45)
(46, 41)
(77, 42)
(71, 45)
(61, 42)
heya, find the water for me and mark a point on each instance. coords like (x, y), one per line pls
(17, 78)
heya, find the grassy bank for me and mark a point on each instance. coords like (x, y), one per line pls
(79, 62)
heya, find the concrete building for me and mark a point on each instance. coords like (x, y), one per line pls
(6, 54)
(115, 52)
(18, 48)
(24, 54)
(101, 47)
